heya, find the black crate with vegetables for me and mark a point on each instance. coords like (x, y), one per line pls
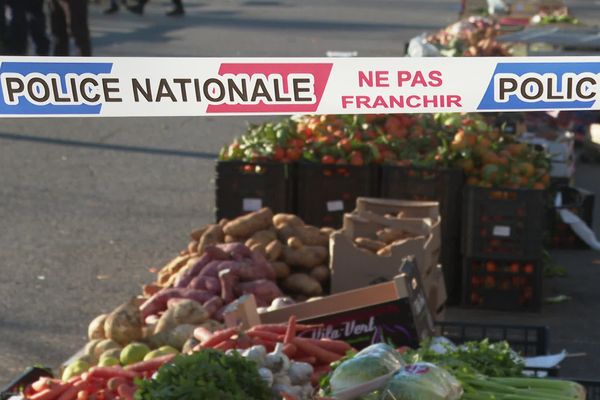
(243, 187)
(505, 223)
(502, 284)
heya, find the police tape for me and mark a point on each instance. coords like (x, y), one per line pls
(148, 87)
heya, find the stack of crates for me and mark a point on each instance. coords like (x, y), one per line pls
(503, 235)
(444, 185)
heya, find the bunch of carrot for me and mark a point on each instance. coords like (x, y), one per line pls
(99, 383)
(320, 353)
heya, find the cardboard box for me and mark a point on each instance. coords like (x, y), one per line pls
(393, 312)
(408, 208)
(435, 291)
(353, 268)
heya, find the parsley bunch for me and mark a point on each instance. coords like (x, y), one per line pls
(205, 375)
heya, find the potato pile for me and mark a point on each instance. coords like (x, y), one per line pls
(299, 253)
(387, 238)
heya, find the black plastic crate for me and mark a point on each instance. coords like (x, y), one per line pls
(325, 192)
(527, 340)
(503, 222)
(592, 388)
(579, 202)
(30, 375)
(451, 262)
(501, 284)
(244, 187)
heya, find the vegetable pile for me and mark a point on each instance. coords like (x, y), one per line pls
(469, 142)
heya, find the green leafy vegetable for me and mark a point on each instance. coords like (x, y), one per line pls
(208, 374)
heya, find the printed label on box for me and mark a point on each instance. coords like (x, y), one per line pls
(336, 205)
(252, 204)
(502, 231)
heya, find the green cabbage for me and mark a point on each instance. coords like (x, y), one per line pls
(370, 363)
(422, 381)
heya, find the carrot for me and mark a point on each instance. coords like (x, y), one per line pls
(225, 345)
(115, 382)
(289, 349)
(312, 360)
(41, 384)
(202, 334)
(126, 392)
(274, 337)
(50, 393)
(82, 395)
(320, 353)
(155, 363)
(290, 333)
(71, 393)
(218, 337)
(336, 346)
(111, 372)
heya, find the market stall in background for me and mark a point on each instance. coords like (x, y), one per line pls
(338, 243)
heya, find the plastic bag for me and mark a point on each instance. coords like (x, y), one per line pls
(496, 7)
(422, 381)
(419, 47)
(370, 363)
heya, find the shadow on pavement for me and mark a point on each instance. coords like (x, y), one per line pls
(105, 146)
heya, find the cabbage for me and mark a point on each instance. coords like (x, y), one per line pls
(370, 363)
(422, 381)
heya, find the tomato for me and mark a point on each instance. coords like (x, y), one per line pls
(327, 159)
(278, 154)
(293, 154)
(356, 158)
(528, 268)
(490, 266)
(345, 145)
(514, 268)
(248, 168)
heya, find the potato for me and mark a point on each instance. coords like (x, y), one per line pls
(327, 230)
(96, 327)
(197, 234)
(212, 325)
(306, 257)
(182, 311)
(172, 267)
(90, 349)
(105, 345)
(213, 235)
(389, 235)
(286, 219)
(295, 243)
(230, 239)
(265, 237)
(124, 324)
(369, 244)
(246, 225)
(180, 334)
(312, 236)
(189, 345)
(302, 284)
(320, 273)
(223, 222)
(259, 248)
(192, 247)
(274, 250)
(285, 231)
(282, 270)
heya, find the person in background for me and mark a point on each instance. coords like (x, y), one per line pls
(27, 18)
(114, 6)
(175, 12)
(70, 16)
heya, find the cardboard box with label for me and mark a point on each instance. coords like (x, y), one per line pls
(395, 312)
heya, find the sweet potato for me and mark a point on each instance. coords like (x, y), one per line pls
(236, 251)
(320, 274)
(286, 219)
(282, 270)
(274, 250)
(261, 269)
(389, 235)
(306, 257)
(158, 302)
(369, 244)
(208, 283)
(213, 305)
(259, 248)
(213, 235)
(172, 267)
(194, 267)
(302, 284)
(246, 225)
(265, 291)
(124, 324)
(228, 281)
(150, 289)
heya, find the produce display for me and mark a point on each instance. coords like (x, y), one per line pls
(488, 157)
(472, 37)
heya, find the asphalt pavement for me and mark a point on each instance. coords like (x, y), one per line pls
(88, 206)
